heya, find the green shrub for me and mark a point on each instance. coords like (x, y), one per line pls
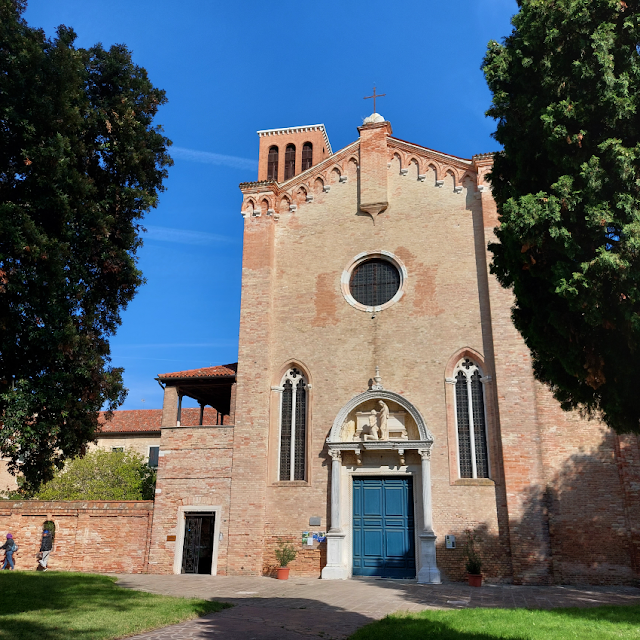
(285, 553)
(473, 564)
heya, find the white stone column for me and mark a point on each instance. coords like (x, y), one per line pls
(336, 567)
(428, 572)
(336, 464)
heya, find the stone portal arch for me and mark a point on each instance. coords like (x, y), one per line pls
(365, 398)
(354, 438)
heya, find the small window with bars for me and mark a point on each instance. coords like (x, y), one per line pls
(154, 453)
(293, 426)
(117, 449)
(473, 454)
(272, 164)
(307, 156)
(289, 162)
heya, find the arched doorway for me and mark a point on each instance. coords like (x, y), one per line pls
(381, 457)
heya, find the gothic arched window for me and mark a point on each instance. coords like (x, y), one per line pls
(473, 457)
(272, 164)
(293, 426)
(290, 162)
(307, 156)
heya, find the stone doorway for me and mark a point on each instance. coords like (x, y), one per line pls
(380, 433)
(197, 551)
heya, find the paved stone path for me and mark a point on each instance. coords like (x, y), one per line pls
(299, 608)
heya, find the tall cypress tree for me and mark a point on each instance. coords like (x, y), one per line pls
(566, 94)
(80, 164)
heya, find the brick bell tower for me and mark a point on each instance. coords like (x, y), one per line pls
(284, 153)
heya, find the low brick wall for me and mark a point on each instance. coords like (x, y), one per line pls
(90, 535)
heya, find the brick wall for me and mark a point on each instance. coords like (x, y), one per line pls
(90, 535)
(194, 468)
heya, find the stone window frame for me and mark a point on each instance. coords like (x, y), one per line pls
(276, 426)
(452, 422)
(345, 280)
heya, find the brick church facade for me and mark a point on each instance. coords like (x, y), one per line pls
(383, 405)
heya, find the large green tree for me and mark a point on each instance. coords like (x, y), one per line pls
(566, 96)
(101, 475)
(80, 164)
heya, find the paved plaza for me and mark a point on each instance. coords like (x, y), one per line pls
(268, 609)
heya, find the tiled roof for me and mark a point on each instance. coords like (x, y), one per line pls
(138, 420)
(205, 372)
(149, 420)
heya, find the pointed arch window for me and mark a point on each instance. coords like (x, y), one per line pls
(473, 455)
(307, 156)
(272, 164)
(290, 162)
(293, 426)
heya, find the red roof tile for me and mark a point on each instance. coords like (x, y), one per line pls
(138, 420)
(149, 420)
(205, 372)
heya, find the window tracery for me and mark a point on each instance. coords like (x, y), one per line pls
(473, 456)
(293, 426)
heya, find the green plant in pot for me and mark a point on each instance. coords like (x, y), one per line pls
(285, 553)
(473, 564)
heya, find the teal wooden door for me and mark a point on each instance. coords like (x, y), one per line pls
(383, 536)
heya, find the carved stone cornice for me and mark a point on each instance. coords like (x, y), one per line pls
(381, 445)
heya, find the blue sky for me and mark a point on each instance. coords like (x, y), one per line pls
(232, 68)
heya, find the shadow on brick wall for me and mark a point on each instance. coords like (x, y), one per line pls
(583, 527)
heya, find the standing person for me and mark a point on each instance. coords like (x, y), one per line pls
(10, 547)
(45, 548)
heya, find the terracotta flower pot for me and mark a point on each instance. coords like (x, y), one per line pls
(474, 580)
(283, 573)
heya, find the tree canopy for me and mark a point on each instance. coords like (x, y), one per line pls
(80, 165)
(101, 475)
(566, 93)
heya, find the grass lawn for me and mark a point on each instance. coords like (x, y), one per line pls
(59, 605)
(597, 623)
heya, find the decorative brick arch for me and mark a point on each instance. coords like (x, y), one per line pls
(397, 154)
(470, 175)
(265, 205)
(432, 166)
(450, 172)
(285, 202)
(335, 169)
(414, 161)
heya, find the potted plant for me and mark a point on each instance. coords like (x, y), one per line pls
(285, 553)
(473, 564)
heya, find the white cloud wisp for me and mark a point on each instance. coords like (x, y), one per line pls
(207, 157)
